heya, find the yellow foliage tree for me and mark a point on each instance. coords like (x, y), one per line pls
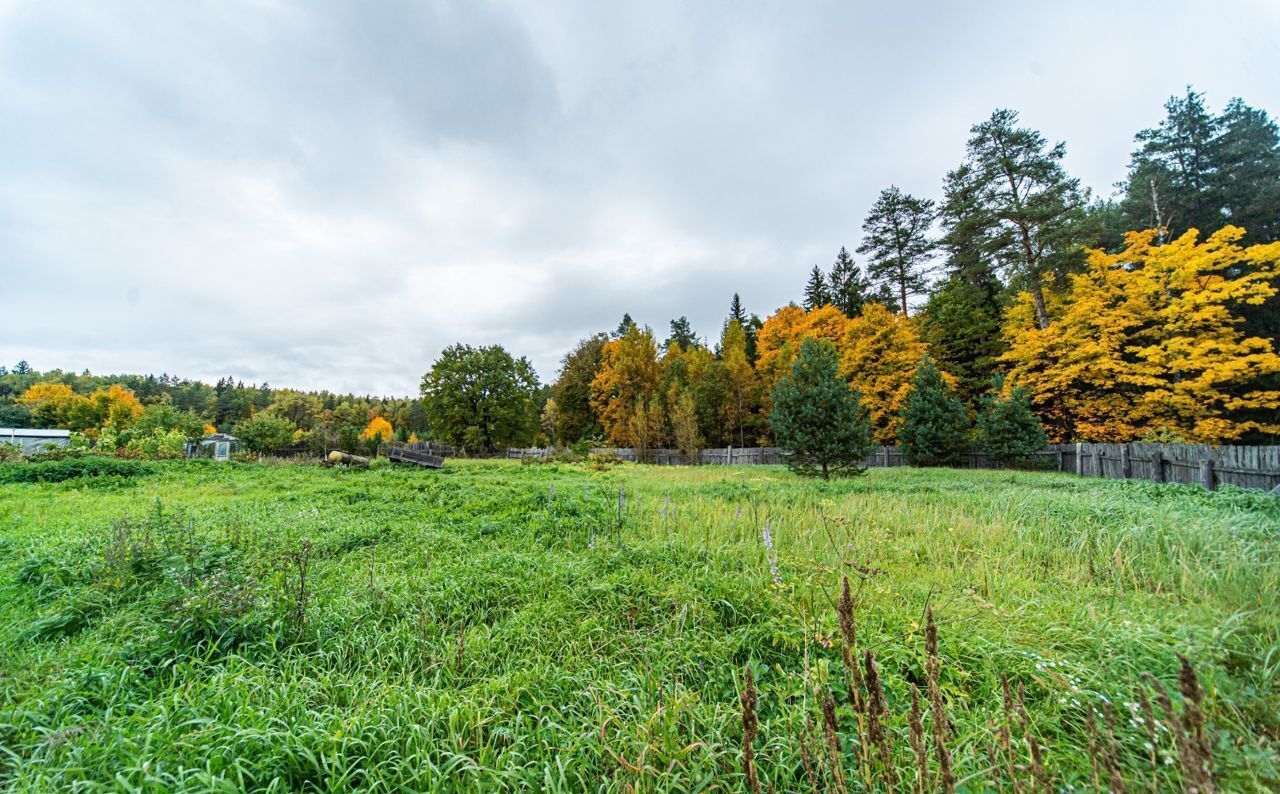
(1145, 342)
(378, 428)
(50, 403)
(625, 385)
(879, 353)
(780, 336)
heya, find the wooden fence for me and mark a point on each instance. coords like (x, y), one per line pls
(1190, 464)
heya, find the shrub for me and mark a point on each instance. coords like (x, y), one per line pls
(72, 468)
(1008, 430)
(817, 418)
(935, 425)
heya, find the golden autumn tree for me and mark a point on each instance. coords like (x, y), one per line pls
(879, 353)
(737, 407)
(50, 403)
(378, 428)
(1148, 342)
(779, 338)
(625, 386)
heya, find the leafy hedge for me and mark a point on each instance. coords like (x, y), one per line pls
(72, 468)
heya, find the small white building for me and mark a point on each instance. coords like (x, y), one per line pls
(33, 439)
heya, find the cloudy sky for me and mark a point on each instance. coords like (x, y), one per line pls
(325, 194)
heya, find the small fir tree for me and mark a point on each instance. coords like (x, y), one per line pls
(935, 425)
(1008, 430)
(817, 418)
(816, 293)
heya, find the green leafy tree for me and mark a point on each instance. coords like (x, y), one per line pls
(1008, 430)
(481, 398)
(816, 292)
(935, 425)
(1014, 204)
(264, 432)
(817, 418)
(896, 238)
(575, 417)
(849, 288)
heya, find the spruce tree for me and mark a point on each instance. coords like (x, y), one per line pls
(625, 325)
(848, 286)
(817, 418)
(1247, 159)
(816, 292)
(935, 425)
(1008, 430)
(898, 244)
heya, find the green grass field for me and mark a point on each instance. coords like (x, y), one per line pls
(496, 626)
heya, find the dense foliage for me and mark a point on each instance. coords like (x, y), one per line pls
(1008, 431)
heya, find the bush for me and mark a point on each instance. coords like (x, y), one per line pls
(935, 425)
(1008, 430)
(817, 418)
(72, 468)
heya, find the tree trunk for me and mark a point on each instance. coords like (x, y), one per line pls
(825, 474)
(1042, 316)
(902, 289)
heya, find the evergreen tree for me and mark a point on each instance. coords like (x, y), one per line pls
(961, 323)
(681, 334)
(1247, 158)
(625, 325)
(816, 292)
(1171, 174)
(896, 238)
(848, 286)
(1012, 203)
(817, 418)
(750, 325)
(1008, 430)
(935, 425)
(22, 368)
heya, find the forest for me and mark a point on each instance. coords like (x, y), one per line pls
(1151, 314)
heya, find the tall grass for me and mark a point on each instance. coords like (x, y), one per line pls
(496, 626)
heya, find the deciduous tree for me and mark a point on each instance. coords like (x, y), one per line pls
(480, 398)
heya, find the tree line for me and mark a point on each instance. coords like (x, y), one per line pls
(1152, 314)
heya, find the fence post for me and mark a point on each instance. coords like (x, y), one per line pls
(1060, 458)
(728, 461)
(1126, 462)
(1206, 474)
(1079, 459)
(1157, 466)
(1097, 461)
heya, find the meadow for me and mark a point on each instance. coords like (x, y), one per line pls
(497, 626)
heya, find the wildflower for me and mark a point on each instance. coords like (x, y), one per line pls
(773, 555)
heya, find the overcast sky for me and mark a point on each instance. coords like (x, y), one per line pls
(325, 194)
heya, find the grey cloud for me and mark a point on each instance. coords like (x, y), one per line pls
(325, 194)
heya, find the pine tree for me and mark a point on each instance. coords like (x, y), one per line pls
(961, 323)
(848, 286)
(625, 325)
(1008, 430)
(22, 368)
(898, 244)
(817, 418)
(1171, 174)
(816, 291)
(681, 334)
(935, 425)
(1011, 202)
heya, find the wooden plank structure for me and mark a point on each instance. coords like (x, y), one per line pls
(408, 453)
(1189, 464)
